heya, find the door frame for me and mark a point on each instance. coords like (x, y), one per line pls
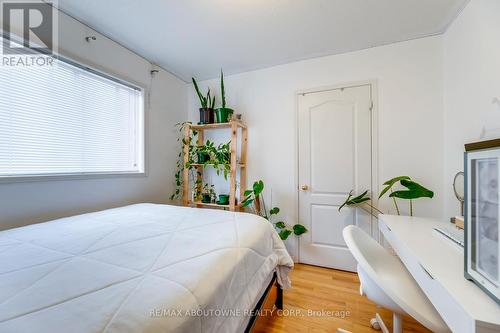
(373, 83)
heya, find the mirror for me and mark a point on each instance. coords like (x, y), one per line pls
(459, 189)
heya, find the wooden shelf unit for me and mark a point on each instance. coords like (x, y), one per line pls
(234, 165)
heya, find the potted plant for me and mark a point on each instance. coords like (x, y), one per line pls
(222, 159)
(203, 154)
(223, 153)
(223, 199)
(207, 105)
(208, 194)
(223, 114)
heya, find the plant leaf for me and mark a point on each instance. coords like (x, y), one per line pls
(200, 96)
(396, 179)
(346, 201)
(414, 191)
(285, 233)
(299, 229)
(280, 225)
(258, 187)
(274, 211)
(247, 193)
(356, 200)
(360, 198)
(222, 90)
(247, 203)
(390, 183)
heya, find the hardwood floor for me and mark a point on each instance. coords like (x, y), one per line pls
(326, 290)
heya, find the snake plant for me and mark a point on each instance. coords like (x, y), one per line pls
(207, 101)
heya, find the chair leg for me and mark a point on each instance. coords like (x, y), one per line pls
(397, 323)
(378, 324)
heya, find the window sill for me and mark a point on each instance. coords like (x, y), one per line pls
(71, 176)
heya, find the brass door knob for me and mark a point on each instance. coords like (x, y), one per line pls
(305, 187)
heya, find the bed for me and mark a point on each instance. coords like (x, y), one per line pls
(139, 268)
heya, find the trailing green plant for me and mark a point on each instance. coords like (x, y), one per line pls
(207, 101)
(411, 190)
(219, 157)
(222, 159)
(253, 199)
(223, 153)
(206, 148)
(180, 165)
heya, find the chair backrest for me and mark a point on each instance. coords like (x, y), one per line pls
(389, 274)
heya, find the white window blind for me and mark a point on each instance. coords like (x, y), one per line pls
(66, 119)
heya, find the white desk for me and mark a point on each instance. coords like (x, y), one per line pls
(438, 267)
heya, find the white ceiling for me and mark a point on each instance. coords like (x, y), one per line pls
(198, 37)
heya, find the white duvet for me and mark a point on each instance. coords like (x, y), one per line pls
(140, 268)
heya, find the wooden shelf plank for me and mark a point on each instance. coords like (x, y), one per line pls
(208, 204)
(217, 125)
(240, 165)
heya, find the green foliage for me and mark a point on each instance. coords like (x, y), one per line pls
(253, 198)
(180, 165)
(414, 191)
(299, 229)
(280, 225)
(207, 101)
(350, 201)
(219, 156)
(258, 187)
(274, 211)
(203, 100)
(250, 196)
(210, 190)
(220, 159)
(285, 233)
(390, 183)
(211, 100)
(222, 90)
(247, 202)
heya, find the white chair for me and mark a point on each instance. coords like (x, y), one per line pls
(385, 281)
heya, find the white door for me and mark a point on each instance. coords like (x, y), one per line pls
(335, 157)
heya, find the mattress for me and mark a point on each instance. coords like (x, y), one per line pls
(140, 268)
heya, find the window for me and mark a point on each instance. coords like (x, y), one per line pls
(66, 119)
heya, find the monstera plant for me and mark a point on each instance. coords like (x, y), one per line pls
(409, 190)
(253, 199)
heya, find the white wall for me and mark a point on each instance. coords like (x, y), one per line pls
(31, 202)
(472, 81)
(435, 94)
(410, 108)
